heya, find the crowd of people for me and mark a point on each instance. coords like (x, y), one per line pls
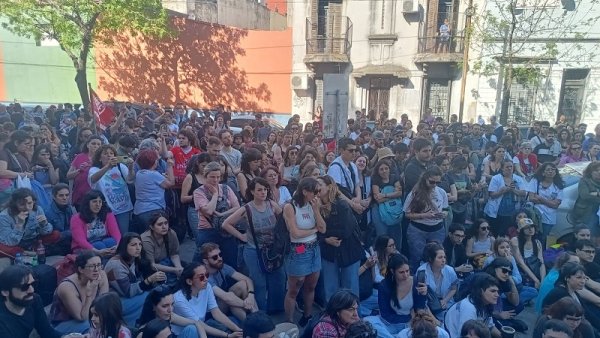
(444, 231)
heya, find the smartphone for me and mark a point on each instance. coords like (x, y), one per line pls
(421, 276)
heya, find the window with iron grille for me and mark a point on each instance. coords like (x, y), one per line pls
(521, 103)
(438, 96)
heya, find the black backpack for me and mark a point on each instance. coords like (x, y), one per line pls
(45, 275)
(281, 236)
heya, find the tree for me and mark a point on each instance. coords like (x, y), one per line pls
(78, 25)
(514, 38)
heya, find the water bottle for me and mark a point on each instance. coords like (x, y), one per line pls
(18, 259)
(34, 261)
(41, 252)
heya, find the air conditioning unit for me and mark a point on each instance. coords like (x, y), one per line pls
(410, 6)
(300, 82)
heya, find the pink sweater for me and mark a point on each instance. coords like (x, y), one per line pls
(79, 231)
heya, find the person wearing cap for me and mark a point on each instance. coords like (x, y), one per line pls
(528, 253)
(376, 143)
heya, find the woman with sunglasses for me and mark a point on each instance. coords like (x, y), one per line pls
(426, 207)
(481, 240)
(568, 310)
(573, 154)
(501, 269)
(303, 264)
(75, 294)
(195, 298)
(502, 248)
(505, 190)
(130, 275)
(159, 306)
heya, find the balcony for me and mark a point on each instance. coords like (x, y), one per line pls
(329, 40)
(432, 48)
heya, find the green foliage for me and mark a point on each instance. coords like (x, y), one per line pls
(78, 25)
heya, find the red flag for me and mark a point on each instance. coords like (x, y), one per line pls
(103, 114)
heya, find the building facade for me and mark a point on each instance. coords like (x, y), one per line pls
(392, 53)
(557, 43)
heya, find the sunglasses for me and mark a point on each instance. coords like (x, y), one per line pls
(505, 270)
(25, 287)
(434, 182)
(202, 277)
(484, 228)
(214, 257)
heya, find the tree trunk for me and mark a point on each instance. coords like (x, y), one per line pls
(506, 84)
(82, 86)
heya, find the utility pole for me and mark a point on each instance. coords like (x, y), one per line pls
(465, 64)
(336, 114)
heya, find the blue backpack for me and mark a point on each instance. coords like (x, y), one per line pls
(391, 210)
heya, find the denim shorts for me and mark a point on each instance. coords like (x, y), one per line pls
(304, 264)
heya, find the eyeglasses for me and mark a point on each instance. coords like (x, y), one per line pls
(353, 150)
(94, 266)
(589, 251)
(202, 277)
(214, 257)
(25, 287)
(434, 182)
(317, 191)
(573, 318)
(459, 236)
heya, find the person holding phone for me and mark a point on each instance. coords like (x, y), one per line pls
(424, 208)
(399, 295)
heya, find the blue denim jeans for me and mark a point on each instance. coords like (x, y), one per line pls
(189, 331)
(385, 329)
(73, 326)
(104, 243)
(269, 288)
(346, 278)
(366, 306)
(123, 221)
(417, 239)
(192, 216)
(132, 308)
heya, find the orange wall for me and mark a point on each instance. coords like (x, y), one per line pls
(203, 65)
(279, 5)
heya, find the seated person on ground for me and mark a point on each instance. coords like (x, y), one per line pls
(59, 213)
(234, 291)
(196, 298)
(23, 224)
(75, 294)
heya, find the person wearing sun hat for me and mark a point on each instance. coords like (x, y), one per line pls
(382, 153)
(528, 253)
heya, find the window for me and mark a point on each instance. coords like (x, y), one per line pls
(521, 103)
(438, 97)
(379, 97)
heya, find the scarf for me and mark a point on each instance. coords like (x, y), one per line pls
(532, 160)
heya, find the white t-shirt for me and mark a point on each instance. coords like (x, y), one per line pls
(440, 201)
(195, 308)
(458, 315)
(552, 193)
(114, 188)
(305, 220)
(284, 196)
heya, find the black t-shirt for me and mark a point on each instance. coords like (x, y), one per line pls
(14, 326)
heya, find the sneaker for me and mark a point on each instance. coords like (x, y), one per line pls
(304, 320)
